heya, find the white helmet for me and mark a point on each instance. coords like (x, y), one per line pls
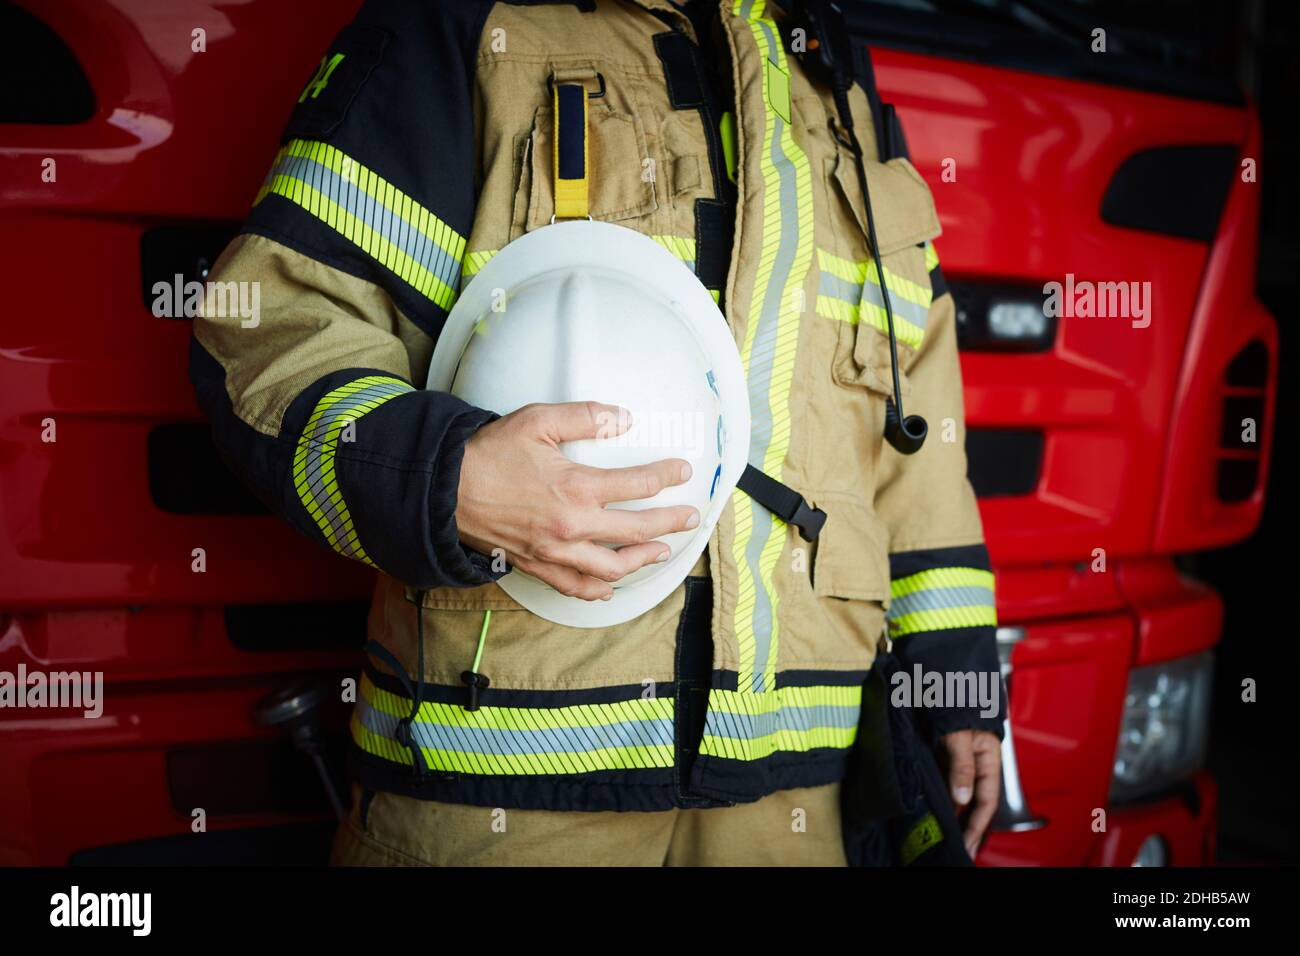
(589, 311)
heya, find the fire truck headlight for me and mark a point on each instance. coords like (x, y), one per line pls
(1163, 731)
(1013, 320)
(1152, 852)
(996, 317)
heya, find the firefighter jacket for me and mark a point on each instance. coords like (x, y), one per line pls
(422, 145)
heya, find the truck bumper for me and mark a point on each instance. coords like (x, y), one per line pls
(1184, 824)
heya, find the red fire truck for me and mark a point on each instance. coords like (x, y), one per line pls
(132, 136)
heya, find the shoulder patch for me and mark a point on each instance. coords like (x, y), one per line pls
(331, 90)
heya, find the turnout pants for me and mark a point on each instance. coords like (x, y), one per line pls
(799, 827)
(788, 828)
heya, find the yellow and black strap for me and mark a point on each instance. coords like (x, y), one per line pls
(570, 151)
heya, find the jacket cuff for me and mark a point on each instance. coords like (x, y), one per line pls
(966, 658)
(458, 564)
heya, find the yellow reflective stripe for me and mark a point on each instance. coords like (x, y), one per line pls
(474, 262)
(829, 307)
(906, 332)
(314, 477)
(931, 256)
(768, 354)
(859, 273)
(748, 726)
(943, 619)
(580, 738)
(941, 578)
(941, 599)
(846, 269)
(368, 211)
(680, 246)
(901, 286)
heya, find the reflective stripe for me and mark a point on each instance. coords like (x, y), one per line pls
(931, 256)
(371, 213)
(313, 461)
(768, 356)
(746, 726)
(474, 262)
(850, 291)
(582, 738)
(680, 246)
(941, 599)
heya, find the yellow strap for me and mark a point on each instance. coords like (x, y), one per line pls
(569, 150)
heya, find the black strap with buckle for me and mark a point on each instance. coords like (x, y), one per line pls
(783, 501)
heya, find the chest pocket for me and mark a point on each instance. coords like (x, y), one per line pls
(620, 187)
(849, 287)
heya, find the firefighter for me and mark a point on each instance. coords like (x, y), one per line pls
(433, 135)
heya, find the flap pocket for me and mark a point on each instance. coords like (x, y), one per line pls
(905, 220)
(852, 556)
(901, 203)
(620, 186)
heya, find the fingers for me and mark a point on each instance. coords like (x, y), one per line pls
(566, 580)
(573, 421)
(960, 746)
(640, 481)
(988, 789)
(607, 564)
(617, 526)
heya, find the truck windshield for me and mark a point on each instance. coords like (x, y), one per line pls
(1178, 47)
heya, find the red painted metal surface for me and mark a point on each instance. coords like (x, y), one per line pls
(96, 577)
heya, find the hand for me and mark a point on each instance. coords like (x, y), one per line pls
(519, 492)
(974, 763)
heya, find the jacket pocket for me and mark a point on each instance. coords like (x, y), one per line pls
(849, 575)
(620, 187)
(905, 219)
(851, 561)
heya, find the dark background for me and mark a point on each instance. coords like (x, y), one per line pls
(1253, 749)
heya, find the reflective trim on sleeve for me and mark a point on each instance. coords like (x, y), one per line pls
(313, 462)
(941, 599)
(931, 256)
(474, 263)
(367, 210)
(850, 292)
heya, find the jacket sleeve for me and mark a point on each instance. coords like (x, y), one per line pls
(941, 614)
(350, 261)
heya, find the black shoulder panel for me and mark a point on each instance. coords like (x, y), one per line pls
(375, 174)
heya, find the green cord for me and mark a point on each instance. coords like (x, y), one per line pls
(482, 639)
